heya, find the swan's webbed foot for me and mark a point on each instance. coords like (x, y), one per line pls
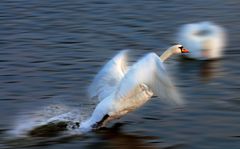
(99, 124)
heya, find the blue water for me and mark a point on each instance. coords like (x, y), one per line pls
(50, 51)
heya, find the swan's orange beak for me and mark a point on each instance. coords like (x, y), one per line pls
(185, 50)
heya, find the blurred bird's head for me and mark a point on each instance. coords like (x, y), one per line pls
(177, 48)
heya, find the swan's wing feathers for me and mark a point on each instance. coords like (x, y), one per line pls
(164, 87)
(149, 71)
(136, 75)
(109, 76)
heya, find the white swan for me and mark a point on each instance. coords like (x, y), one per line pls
(205, 39)
(121, 89)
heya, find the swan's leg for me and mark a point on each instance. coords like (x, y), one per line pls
(101, 122)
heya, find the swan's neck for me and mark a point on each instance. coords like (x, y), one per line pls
(166, 54)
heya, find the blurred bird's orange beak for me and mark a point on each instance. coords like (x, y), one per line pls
(185, 51)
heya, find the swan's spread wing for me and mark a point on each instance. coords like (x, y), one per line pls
(149, 71)
(109, 76)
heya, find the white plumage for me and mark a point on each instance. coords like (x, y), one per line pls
(121, 89)
(107, 79)
(205, 39)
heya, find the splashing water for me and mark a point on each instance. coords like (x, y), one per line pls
(49, 121)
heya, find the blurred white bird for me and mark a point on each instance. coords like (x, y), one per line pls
(205, 39)
(122, 89)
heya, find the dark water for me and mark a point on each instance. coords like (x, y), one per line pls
(50, 50)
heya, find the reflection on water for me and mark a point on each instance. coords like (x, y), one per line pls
(112, 137)
(206, 70)
(210, 70)
(52, 49)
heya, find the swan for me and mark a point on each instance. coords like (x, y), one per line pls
(121, 89)
(205, 39)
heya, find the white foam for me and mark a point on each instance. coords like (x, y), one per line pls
(49, 114)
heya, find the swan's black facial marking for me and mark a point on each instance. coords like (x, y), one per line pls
(181, 48)
(100, 123)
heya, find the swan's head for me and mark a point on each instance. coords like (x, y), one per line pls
(178, 49)
(175, 49)
(205, 39)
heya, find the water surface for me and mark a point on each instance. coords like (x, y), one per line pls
(50, 51)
